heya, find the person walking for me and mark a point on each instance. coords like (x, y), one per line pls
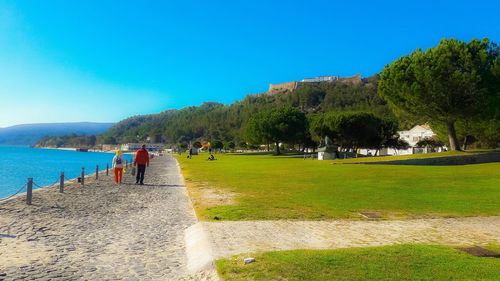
(141, 160)
(118, 162)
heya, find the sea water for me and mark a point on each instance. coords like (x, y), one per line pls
(17, 164)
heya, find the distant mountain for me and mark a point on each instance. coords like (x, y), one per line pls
(29, 134)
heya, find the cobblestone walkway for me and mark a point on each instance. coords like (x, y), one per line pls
(100, 231)
(233, 238)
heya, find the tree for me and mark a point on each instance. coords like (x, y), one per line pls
(257, 131)
(229, 145)
(397, 143)
(278, 125)
(453, 81)
(354, 129)
(309, 142)
(309, 97)
(108, 140)
(321, 125)
(242, 145)
(197, 144)
(217, 144)
(362, 129)
(182, 145)
(91, 140)
(429, 142)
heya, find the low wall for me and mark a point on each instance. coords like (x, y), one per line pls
(446, 161)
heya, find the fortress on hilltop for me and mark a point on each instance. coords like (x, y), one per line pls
(290, 86)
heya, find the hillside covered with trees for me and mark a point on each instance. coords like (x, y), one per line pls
(454, 87)
(228, 123)
(30, 134)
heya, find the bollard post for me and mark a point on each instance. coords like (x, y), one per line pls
(83, 176)
(107, 169)
(61, 183)
(96, 172)
(29, 191)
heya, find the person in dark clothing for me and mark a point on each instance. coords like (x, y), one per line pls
(141, 160)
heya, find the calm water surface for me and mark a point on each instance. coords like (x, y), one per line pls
(17, 164)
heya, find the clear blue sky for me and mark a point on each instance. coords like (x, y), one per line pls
(66, 61)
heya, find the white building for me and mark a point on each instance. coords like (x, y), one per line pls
(110, 147)
(320, 79)
(416, 134)
(412, 136)
(136, 146)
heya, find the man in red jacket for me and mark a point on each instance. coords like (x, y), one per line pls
(141, 160)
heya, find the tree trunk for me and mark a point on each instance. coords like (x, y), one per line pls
(267, 146)
(464, 146)
(278, 152)
(452, 136)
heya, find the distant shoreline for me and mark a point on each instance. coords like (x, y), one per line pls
(90, 150)
(73, 149)
(58, 148)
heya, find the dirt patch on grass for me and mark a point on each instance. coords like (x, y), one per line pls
(370, 215)
(204, 196)
(480, 252)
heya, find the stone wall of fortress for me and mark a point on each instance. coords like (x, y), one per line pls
(355, 80)
(290, 86)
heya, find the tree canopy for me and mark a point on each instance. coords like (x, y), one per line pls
(454, 81)
(352, 130)
(287, 125)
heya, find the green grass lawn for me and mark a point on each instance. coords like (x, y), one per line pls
(401, 262)
(270, 187)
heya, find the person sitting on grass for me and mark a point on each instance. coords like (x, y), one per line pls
(211, 157)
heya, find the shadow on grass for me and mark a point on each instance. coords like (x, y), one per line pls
(268, 153)
(132, 184)
(450, 158)
(442, 161)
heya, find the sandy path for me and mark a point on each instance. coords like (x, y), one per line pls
(233, 238)
(100, 231)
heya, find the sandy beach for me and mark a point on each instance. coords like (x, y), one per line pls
(101, 231)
